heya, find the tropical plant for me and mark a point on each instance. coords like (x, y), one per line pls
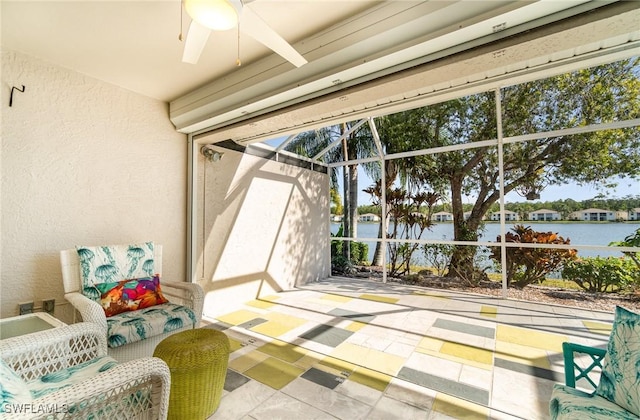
(411, 214)
(528, 265)
(632, 240)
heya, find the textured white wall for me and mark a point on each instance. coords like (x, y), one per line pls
(83, 162)
(263, 226)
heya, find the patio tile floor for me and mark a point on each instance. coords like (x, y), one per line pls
(361, 349)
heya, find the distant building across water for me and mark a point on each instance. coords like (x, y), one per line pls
(545, 215)
(598, 215)
(542, 215)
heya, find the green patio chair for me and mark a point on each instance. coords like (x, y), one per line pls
(616, 393)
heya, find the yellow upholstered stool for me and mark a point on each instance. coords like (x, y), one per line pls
(198, 362)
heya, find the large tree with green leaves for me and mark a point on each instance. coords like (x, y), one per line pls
(597, 95)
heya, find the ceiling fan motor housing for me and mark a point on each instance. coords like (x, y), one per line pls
(218, 15)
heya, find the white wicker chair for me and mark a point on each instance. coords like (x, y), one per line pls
(181, 293)
(134, 390)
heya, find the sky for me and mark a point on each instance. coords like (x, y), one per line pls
(580, 193)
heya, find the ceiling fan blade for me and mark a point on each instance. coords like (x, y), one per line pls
(194, 44)
(253, 25)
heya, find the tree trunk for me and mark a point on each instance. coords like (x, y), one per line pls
(346, 217)
(353, 199)
(350, 153)
(462, 260)
(391, 172)
(379, 251)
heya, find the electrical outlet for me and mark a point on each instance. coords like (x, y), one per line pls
(26, 308)
(49, 305)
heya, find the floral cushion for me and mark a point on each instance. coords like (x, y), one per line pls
(70, 376)
(130, 295)
(129, 327)
(620, 379)
(108, 264)
(13, 390)
(568, 403)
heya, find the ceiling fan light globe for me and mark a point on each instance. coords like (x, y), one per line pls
(218, 15)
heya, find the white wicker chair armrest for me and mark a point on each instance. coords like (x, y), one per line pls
(192, 295)
(115, 393)
(34, 355)
(89, 310)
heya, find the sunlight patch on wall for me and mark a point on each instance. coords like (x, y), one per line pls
(256, 230)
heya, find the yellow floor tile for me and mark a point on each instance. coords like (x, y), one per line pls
(274, 373)
(283, 351)
(319, 301)
(278, 324)
(247, 361)
(330, 370)
(272, 329)
(489, 311)
(378, 298)
(309, 360)
(238, 317)
(369, 358)
(598, 327)
(457, 359)
(530, 338)
(526, 355)
(336, 298)
(429, 343)
(270, 298)
(338, 365)
(459, 409)
(468, 352)
(262, 304)
(284, 319)
(371, 378)
(355, 326)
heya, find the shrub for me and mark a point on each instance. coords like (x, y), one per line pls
(438, 256)
(631, 241)
(340, 265)
(359, 253)
(597, 274)
(531, 265)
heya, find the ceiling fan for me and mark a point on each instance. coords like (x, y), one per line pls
(221, 15)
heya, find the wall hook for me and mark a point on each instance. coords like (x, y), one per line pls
(11, 96)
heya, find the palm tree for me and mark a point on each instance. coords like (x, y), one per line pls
(354, 139)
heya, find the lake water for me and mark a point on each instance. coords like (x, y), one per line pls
(579, 233)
